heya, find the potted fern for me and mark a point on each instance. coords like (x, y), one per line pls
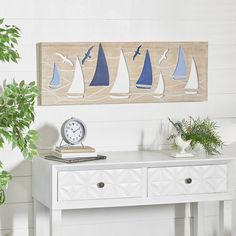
(16, 107)
(198, 131)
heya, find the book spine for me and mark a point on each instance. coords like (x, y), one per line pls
(74, 155)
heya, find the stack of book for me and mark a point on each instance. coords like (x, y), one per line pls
(65, 152)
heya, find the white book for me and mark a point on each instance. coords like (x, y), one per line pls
(73, 155)
(75, 149)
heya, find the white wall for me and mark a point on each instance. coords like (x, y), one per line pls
(115, 127)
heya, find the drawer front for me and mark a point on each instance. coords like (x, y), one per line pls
(100, 184)
(187, 180)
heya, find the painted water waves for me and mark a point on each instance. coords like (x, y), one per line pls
(140, 72)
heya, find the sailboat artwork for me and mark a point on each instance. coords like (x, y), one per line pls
(192, 84)
(76, 89)
(159, 91)
(89, 73)
(120, 88)
(145, 78)
(180, 70)
(101, 76)
(55, 82)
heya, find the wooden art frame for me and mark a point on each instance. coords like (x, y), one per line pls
(124, 72)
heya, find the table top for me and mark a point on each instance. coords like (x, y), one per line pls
(140, 159)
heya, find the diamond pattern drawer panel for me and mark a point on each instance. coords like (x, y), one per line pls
(187, 180)
(100, 184)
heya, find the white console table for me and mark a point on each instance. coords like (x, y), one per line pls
(131, 179)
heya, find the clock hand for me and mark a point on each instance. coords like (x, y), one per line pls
(75, 130)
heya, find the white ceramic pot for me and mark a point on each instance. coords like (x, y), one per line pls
(182, 144)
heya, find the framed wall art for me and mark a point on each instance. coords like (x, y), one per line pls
(122, 72)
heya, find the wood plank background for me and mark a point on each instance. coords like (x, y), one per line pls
(119, 126)
(174, 89)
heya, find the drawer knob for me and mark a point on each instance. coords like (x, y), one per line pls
(188, 181)
(101, 185)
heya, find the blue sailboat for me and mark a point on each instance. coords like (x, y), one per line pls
(55, 82)
(145, 78)
(180, 70)
(101, 76)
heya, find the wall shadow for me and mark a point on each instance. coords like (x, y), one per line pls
(48, 138)
(229, 149)
(159, 142)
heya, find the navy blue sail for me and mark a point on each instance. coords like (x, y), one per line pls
(101, 76)
(145, 79)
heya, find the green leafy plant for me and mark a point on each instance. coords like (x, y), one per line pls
(16, 107)
(199, 131)
(9, 35)
(16, 116)
(5, 177)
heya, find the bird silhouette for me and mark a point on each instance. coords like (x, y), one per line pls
(163, 56)
(87, 55)
(64, 59)
(137, 52)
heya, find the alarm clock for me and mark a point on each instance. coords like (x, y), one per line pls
(73, 131)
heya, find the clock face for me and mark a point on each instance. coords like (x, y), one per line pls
(73, 131)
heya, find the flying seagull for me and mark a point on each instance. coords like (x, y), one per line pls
(87, 55)
(64, 59)
(137, 52)
(163, 56)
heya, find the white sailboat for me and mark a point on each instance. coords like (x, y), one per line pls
(76, 89)
(159, 92)
(192, 84)
(120, 88)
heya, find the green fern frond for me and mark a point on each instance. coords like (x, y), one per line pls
(200, 131)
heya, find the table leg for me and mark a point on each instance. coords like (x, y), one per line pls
(225, 219)
(55, 222)
(221, 218)
(198, 224)
(187, 220)
(36, 215)
(233, 217)
(40, 216)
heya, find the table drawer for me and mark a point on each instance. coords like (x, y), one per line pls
(187, 180)
(100, 184)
